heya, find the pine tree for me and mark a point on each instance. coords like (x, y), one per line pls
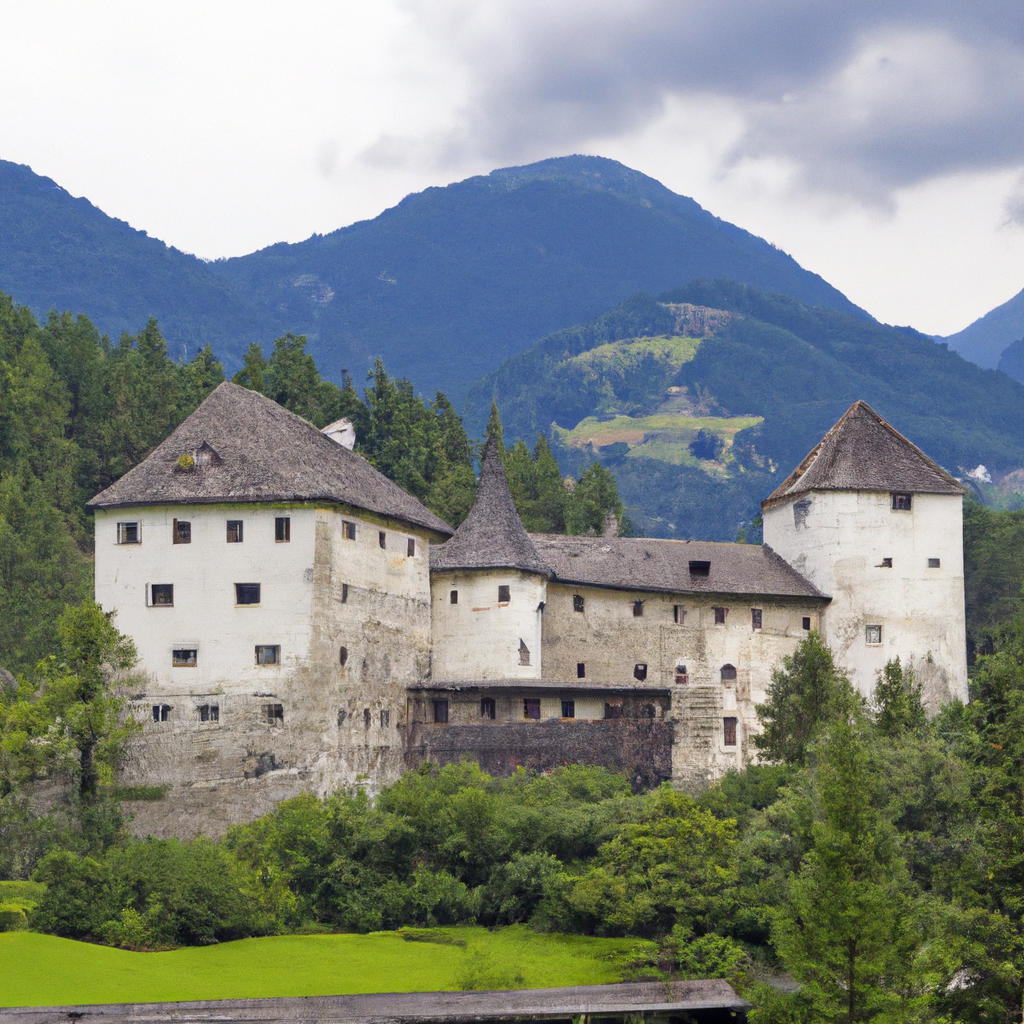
(897, 697)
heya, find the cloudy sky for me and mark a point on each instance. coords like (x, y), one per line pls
(882, 144)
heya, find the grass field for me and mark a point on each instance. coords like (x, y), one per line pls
(41, 970)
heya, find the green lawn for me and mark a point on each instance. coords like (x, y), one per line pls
(41, 970)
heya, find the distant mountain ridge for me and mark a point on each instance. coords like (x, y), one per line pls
(986, 340)
(444, 286)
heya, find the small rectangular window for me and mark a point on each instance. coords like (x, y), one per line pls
(410, 548)
(901, 502)
(161, 595)
(209, 712)
(719, 616)
(578, 603)
(531, 708)
(348, 530)
(184, 657)
(581, 670)
(524, 652)
(682, 678)
(382, 540)
(247, 593)
(886, 563)
(640, 672)
(343, 656)
(638, 609)
(806, 622)
(282, 529)
(934, 563)
(453, 597)
(729, 730)
(129, 533)
(234, 531)
(700, 568)
(344, 593)
(181, 532)
(161, 712)
(873, 634)
(678, 614)
(385, 719)
(568, 709)
(755, 618)
(268, 654)
(487, 709)
(273, 714)
(503, 594)
(440, 712)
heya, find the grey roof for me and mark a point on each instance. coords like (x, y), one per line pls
(699, 998)
(864, 453)
(492, 535)
(642, 564)
(248, 448)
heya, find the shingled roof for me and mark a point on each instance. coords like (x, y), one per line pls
(864, 453)
(638, 563)
(247, 448)
(492, 535)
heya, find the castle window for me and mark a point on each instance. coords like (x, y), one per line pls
(700, 568)
(568, 709)
(410, 548)
(755, 618)
(873, 635)
(729, 731)
(638, 609)
(728, 673)
(342, 715)
(268, 654)
(234, 531)
(366, 718)
(181, 532)
(382, 539)
(385, 719)
(453, 597)
(524, 652)
(503, 594)
(129, 533)
(282, 529)
(720, 616)
(577, 602)
(901, 502)
(247, 593)
(531, 708)
(681, 675)
(886, 563)
(343, 656)
(273, 714)
(440, 712)
(348, 529)
(209, 712)
(806, 623)
(161, 712)
(640, 672)
(344, 593)
(678, 614)
(487, 709)
(161, 595)
(581, 670)
(184, 657)
(934, 563)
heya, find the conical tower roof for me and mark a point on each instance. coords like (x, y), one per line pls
(492, 535)
(863, 452)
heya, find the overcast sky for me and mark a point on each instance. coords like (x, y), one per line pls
(880, 143)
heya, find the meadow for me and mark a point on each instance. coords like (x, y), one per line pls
(43, 970)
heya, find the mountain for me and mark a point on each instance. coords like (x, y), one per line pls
(985, 341)
(444, 286)
(700, 400)
(58, 252)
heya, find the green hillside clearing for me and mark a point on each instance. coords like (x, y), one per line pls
(41, 970)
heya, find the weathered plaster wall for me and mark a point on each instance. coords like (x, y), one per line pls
(840, 539)
(479, 637)
(341, 725)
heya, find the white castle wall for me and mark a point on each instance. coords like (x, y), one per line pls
(839, 541)
(479, 637)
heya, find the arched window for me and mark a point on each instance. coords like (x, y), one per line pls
(728, 673)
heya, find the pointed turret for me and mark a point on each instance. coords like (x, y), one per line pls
(492, 535)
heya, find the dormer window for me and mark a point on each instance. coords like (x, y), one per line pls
(901, 502)
(700, 568)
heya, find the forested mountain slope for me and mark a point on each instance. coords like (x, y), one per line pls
(986, 340)
(701, 400)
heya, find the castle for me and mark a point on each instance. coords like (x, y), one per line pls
(304, 624)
